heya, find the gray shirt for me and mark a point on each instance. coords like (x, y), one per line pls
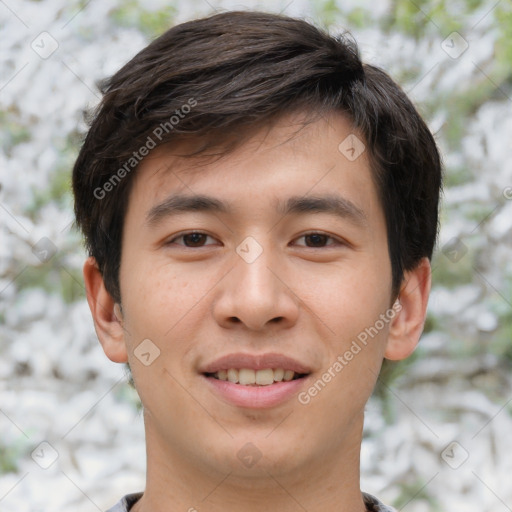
(372, 504)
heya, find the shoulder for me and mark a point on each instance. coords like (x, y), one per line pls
(126, 503)
(371, 502)
(374, 505)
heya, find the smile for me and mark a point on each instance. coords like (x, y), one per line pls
(250, 377)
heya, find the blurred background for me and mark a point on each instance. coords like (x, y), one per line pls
(438, 428)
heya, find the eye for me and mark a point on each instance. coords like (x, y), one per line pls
(318, 240)
(195, 239)
(192, 239)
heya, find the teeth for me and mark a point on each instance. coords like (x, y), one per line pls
(248, 377)
(265, 377)
(233, 375)
(288, 375)
(278, 374)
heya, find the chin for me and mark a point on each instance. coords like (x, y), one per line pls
(257, 457)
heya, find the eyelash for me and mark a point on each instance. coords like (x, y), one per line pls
(329, 237)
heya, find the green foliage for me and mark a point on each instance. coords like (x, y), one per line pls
(431, 323)
(326, 12)
(54, 278)
(407, 17)
(415, 489)
(500, 343)
(58, 190)
(359, 18)
(456, 176)
(127, 392)
(439, 18)
(151, 23)
(8, 460)
(421, 17)
(450, 274)
(12, 131)
(460, 106)
(389, 376)
(10, 455)
(503, 47)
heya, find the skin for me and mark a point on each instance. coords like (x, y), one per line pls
(302, 297)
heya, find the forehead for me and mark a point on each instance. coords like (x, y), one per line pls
(291, 171)
(293, 153)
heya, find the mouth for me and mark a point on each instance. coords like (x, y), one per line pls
(250, 377)
(256, 381)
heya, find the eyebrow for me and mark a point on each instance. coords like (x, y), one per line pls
(177, 203)
(330, 203)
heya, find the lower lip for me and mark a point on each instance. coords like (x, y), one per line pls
(256, 397)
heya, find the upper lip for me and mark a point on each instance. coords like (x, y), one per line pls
(255, 362)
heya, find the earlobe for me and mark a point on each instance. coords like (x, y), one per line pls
(407, 326)
(107, 316)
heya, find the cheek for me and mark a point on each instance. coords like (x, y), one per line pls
(159, 289)
(168, 304)
(155, 298)
(347, 297)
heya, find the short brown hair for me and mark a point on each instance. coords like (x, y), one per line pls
(237, 70)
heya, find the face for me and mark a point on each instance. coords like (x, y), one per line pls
(282, 264)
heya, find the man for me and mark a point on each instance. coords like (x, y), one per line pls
(260, 210)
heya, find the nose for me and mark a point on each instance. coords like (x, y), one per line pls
(257, 293)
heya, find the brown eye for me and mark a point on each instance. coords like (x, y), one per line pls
(316, 240)
(193, 239)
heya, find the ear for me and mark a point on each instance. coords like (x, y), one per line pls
(106, 314)
(407, 326)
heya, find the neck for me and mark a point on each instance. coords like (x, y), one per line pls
(327, 483)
